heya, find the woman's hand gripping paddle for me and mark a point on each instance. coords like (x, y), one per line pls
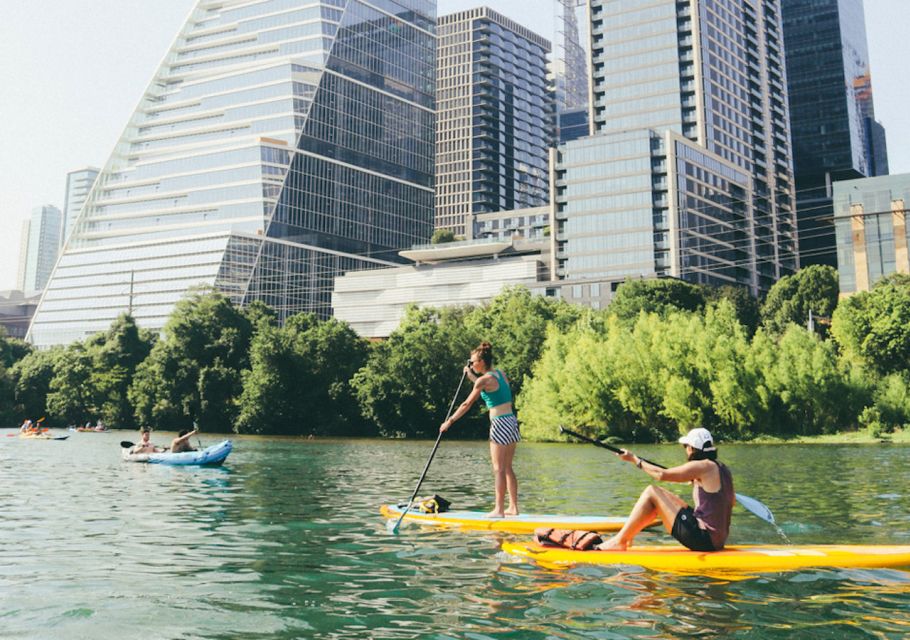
(750, 504)
(394, 529)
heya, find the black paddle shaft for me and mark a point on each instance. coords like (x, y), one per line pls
(432, 453)
(605, 445)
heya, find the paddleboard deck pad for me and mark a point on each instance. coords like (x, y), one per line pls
(742, 559)
(523, 523)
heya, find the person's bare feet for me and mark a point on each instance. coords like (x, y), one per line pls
(511, 511)
(613, 544)
(496, 514)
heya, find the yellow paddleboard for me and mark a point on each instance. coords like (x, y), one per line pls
(747, 559)
(524, 523)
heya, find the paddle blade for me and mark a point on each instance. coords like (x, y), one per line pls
(126, 444)
(756, 507)
(392, 526)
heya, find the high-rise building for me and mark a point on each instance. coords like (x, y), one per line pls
(280, 143)
(570, 73)
(78, 185)
(41, 244)
(835, 135)
(688, 173)
(495, 118)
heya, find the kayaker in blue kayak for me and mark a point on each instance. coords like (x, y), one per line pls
(493, 386)
(182, 442)
(704, 528)
(145, 444)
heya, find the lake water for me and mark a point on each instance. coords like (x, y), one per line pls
(285, 541)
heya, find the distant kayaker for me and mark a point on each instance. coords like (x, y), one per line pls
(145, 444)
(704, 528)
(493, 386)
(182, 442)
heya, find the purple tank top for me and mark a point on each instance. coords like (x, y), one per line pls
(714, 509)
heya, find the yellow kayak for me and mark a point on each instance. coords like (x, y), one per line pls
(524, 523)
(744, 559)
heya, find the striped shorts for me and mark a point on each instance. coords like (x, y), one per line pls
(504, 429)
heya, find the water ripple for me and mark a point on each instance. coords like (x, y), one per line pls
(285, 541)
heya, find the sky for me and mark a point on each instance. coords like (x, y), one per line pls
(72, 72)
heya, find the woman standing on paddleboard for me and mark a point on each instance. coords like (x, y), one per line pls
(493, 386)
(704, 528)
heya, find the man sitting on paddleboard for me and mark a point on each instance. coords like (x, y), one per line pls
(704, 528)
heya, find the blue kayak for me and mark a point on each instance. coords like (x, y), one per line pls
(210, 456)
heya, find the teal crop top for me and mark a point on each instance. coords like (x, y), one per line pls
(502, 395)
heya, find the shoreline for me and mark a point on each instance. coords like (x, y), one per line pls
(898, 436)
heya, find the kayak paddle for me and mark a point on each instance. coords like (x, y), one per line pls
(752, 505)
(394, 529)
(126, 444)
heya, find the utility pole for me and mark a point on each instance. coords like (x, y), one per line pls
(130, 308)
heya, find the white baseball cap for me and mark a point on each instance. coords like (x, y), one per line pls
(699, 439)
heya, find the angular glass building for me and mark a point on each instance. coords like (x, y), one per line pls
(280, 143)
(835, 135)
(689, 171)
(496, 118)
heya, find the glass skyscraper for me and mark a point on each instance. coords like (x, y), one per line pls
(496, 118)
(570, 73)
(39, 248)
(279, 144)
(835, 135)
(78, 185)
(688, 173)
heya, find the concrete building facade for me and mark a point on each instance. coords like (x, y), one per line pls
(870, 216)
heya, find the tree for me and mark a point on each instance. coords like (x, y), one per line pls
(442, 236)
(116, 355)
(72, 398)
(660, 296)
(814, 288)
(299, 379)
(31, 378)
(409, 379)
(747, 308)
(515, 322)
(646, 382)
(806, 391)
(193, 372)
(873, 327)
(891, 405)
(12, 350)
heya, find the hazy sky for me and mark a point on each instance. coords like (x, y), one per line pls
(72, 71)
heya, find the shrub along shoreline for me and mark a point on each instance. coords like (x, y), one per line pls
(666, 356)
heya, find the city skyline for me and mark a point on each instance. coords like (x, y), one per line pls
(271, 151)
(50, 104)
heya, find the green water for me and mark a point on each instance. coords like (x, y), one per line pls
(285, 541)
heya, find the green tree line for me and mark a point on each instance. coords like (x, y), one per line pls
(665, 356)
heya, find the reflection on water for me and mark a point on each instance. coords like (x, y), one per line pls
(285, 541)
